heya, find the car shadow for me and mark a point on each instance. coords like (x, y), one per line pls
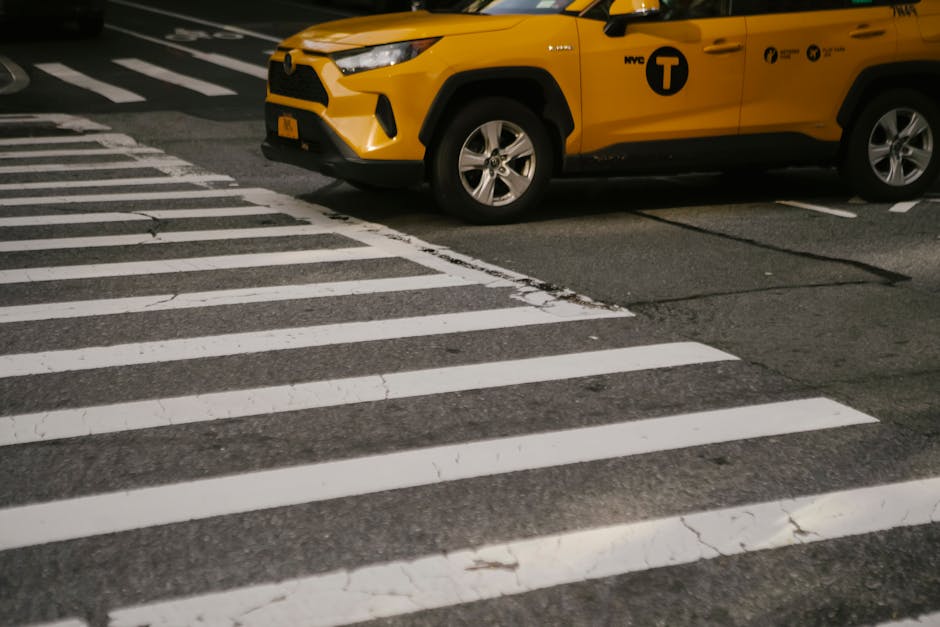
(571, 198)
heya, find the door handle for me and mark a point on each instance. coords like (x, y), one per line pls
(724, 47)
(864, 31)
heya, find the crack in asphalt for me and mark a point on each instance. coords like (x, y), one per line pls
(891, 278)
(684, 299)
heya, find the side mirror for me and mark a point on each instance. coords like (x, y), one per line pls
(622, 12)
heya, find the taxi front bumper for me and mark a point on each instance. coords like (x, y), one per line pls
(321, 149)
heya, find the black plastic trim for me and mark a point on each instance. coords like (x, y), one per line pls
(704, 154)
(386, 116)
(895, 72)
(320, 149)
(556, 106)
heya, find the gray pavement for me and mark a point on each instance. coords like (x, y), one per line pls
(805, 305)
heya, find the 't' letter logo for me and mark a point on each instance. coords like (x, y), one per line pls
(667, 71)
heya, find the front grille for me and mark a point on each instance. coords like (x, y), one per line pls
(303, 83)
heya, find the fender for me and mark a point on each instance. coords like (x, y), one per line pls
(923, 72)
(556, 106)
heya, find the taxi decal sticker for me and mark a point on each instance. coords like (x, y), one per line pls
(773, 54)
(904, 10)
(667, 71)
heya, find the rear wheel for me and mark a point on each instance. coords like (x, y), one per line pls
(492, 163)
(891, 153)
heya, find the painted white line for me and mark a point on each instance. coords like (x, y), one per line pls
(146, 239)
(20, 77)
(123, 182)
(903, 207)
(924, 620)
(196, 264)
(163, 162)
(113, 356)
(219, 298)
(60, 120)
(82, 198)
(69, 622)
(108, 139)
(258, 71)
(74, 77)
(79, 152)
(193, 500)
(162, 74)
(562, 302)
(802, 205)
(115, 512)
(146, 414)
(158, 214)
(196, 20)
(488, 572)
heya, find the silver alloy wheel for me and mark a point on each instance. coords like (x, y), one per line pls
(497, 163)
(900, 147)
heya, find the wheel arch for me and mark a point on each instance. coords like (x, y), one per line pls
(534, 87)
(922, 76)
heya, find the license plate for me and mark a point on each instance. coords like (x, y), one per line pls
(287, 127)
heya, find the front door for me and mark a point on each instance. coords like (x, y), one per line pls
(679, 76)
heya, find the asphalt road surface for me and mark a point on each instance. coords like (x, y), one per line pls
(233, 392)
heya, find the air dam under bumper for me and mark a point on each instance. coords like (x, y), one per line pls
(320, 149)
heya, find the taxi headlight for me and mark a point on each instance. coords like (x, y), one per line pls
(363, 59)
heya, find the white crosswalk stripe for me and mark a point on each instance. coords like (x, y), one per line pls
(219, 298)
(162, 74)
(78, 152)
(195, 264)
(76, 348)
(68, 423)
(122, 511)
(125, 182)
(144, 215)
(96, 198)
(147, 239)
(74, 77)
(110, 139)
(163, 162)
(489, 572)
(273, 340)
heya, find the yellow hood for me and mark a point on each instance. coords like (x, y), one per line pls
(374, 30)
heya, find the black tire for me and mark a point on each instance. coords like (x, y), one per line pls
(901, 174)
(505, 205)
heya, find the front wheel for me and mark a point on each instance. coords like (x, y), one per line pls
(891, 153)
(493, 162)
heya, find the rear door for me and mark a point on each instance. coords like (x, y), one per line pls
(804, 55)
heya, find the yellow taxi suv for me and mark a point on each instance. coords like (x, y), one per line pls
(491, 99)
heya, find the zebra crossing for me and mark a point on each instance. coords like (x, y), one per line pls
(369, 385)
(121, 95)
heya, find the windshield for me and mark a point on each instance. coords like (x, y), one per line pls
(498, 7)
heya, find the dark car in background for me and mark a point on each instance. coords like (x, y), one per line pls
(373, 6)
(87, 15)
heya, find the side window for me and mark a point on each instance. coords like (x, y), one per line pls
(600, 11)
(671, 9)
(763, 7)
(692, 9)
